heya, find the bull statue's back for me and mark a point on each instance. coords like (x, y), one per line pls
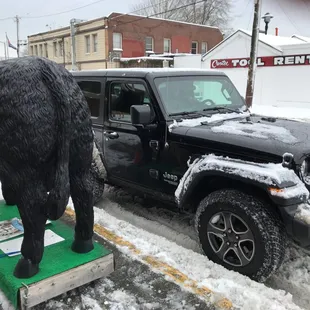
(46, 143)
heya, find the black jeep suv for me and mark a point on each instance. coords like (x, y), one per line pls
(185, 136)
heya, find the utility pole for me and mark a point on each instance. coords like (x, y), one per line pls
(73, 22)
(17, 18)
(253, 54)
(73, 54)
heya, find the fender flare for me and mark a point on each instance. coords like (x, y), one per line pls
(281, 184)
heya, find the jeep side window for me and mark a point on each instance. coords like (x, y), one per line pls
(92, 91)
(122, 96)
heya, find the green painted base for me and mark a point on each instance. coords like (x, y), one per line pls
(57, 258)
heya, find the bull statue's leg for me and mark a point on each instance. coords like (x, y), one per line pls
(31, 209)
(81, 188)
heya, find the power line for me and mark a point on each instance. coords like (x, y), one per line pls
(144, 8)
(6, 18)
(67, 11)
(291, 21)
(59, 13)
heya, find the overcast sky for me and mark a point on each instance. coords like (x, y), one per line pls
(291, 16)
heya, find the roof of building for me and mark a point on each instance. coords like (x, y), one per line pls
(275, 42)
(114, 15)
(302, 38)
(144, 58)
(163, 19)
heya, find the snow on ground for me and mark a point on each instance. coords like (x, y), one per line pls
(170, 237)
(294, 113)
(177, 230)
(244, 293)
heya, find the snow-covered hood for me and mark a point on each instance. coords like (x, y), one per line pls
(272, 136)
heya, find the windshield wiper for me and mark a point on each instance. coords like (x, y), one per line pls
(187, 113)
(222, 108)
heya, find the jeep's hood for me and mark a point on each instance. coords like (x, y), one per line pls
(255, 137)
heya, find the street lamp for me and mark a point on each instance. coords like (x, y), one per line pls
(267, 18)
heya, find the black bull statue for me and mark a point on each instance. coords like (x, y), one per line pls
(46, 145)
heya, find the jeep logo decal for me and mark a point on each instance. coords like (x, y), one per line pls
(171, 177)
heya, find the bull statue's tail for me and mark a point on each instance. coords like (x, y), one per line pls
(59, 194)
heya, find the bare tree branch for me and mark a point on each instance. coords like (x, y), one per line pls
(209, 12)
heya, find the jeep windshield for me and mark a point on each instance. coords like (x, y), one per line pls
(185, 95)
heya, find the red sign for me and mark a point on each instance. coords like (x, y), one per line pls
(267, 61)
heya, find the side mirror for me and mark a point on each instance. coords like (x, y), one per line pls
(141, 114)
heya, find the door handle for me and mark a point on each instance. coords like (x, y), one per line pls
(111, 135)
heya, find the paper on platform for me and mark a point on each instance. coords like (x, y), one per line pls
(12, 228)
(15, 245)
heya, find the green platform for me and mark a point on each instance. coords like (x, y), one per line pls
(57, 259)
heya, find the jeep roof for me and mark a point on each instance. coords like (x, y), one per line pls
(143, 72)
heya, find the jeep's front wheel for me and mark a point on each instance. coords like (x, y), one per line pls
(241, 233)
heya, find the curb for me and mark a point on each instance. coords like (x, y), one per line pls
(218, 301)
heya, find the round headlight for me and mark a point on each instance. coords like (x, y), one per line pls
(305, 171)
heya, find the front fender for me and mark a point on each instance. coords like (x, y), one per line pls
(282, 184)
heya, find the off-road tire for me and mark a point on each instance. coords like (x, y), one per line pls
(98, 185)
(97, 173)
(267, 229)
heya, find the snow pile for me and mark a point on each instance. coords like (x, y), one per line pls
(4, 302)
(206, 119)
(294, 276)
(303, 213)
(256, 130)
(243, 292)
(270, 174)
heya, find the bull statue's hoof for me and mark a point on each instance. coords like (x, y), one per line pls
(25, 269)
(82, 246)
(10, 203)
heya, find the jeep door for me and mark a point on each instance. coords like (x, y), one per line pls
(127, 153)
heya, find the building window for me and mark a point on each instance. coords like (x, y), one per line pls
(149, 42)
(117, 41)
(31, 50)
(95, 43)
(41, 50)
(204, 47)
(55, 49)
(194, 47)
(36, 50)
(123, 96)
(45, 50)
(87, 44)
(92, 94)
(167, 46)
(61, 48)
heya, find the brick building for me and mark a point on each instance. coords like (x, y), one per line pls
(102, 42)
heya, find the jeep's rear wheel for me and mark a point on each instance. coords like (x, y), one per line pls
(97, 172)
(241, 233)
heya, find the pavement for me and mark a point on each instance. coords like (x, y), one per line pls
(133, 285)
